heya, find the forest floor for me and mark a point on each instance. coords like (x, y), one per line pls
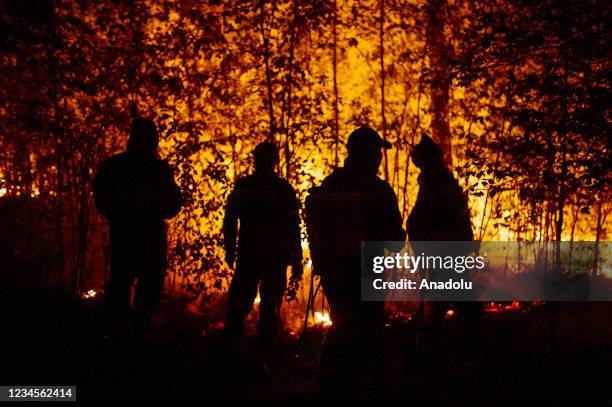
(549, 355)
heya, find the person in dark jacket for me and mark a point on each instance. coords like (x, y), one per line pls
(267, 242)
(441, 211)
(135, 191)
(440, 214)
(352, 205)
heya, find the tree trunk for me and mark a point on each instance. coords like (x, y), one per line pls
(381, 33)
(335, 78)
(440, 76)
(574, 222)
(289, 88)
(598, 232)
(58, 133)
(266, 56)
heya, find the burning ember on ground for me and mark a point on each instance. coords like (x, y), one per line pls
(212, 327)
(322, 318)
(514, 306)
(450, 314)
(500, 307)
(399, 318)
(89, 294)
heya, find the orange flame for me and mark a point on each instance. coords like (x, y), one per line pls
(323, 319)
(89, 294)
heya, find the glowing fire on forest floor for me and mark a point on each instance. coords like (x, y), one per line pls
(89, 294)
(501, 307)
(322, 318)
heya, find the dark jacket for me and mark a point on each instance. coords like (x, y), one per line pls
(268, 210)
(351, 207)
(134, 192)
(441, 211)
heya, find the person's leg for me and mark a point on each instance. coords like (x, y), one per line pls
(151, 274)
(367, 361)
(272, 289)
(471, 314)
(241, 295)
(337, 374)
(118, 289)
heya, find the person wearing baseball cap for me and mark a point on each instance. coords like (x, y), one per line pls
(351, 206)
(364, 147)
(365, 138)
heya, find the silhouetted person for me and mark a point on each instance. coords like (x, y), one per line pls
(440, 213)
(352, 205)
(268, 241)
(135, 191)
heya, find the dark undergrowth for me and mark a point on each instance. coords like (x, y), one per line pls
(552, 355)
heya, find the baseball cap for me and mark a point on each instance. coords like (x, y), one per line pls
(365, 138)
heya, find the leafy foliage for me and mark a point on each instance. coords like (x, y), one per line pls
(527, 110)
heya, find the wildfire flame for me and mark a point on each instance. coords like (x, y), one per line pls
(89, 294)
(497, 307)
(322, 318)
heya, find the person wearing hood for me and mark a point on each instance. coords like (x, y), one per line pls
(135, 191)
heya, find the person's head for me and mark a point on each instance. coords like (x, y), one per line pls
(364, 148)
(143, 137)
(427, 154)
(265, 156)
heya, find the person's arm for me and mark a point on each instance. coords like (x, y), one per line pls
(101, 191)
(417, 222)
(171, 197)
(295, 246)
(230, 228)
(394, 231)
(295, 236)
